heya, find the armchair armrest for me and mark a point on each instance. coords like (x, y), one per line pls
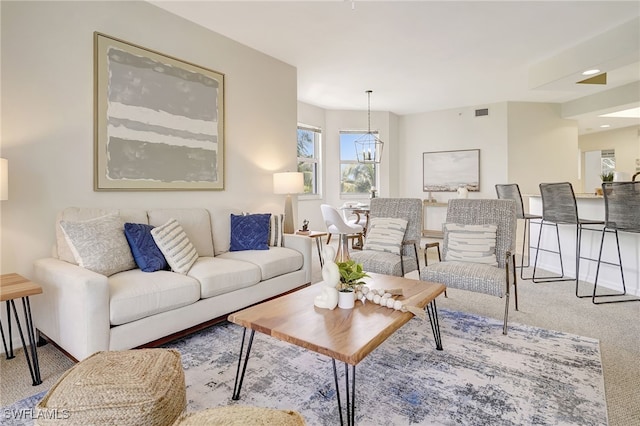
(73, 309)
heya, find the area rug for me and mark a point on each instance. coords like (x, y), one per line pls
(531, 376)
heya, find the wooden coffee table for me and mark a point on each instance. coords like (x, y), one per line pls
(346, 335)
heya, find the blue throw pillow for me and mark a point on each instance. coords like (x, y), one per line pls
(145, 252)
(250, 232)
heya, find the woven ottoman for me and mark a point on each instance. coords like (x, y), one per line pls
(134, 387)
(238, 415)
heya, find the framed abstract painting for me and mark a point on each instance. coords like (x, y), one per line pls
(446, 171)
(159, 121)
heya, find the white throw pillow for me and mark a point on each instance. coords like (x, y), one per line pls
(385, 234)
(175, 246)
(99, 244)
(276, 230)
(470, 243)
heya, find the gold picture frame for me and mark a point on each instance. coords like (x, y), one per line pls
(158, 120)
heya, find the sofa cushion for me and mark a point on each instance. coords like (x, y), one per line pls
(249, 232)
(145, 251)
(276, 230)
(221, 226)
(272, 263)
(219, 276)
(77, 214)
(136, 294)
(99, 244)
(175, 246)
(196, 223)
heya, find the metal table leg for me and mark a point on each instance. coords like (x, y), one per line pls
(32, 360)
(239, 378)
(319, 245)
(350, 396)
(432, 311)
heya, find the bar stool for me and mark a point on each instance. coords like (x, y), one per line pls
(336, 225)
(511, 191)
(622, 214)
(559, 207)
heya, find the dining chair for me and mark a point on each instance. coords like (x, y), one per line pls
(559, 208)
(622, 214)
(511, 191)
(336, 224)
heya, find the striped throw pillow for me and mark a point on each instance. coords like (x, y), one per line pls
(385, 234)
(470, 243)
(175, 246)
(276, 231)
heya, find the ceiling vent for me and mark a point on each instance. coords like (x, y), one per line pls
(482, 112)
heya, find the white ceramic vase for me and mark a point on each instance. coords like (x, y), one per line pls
(346, 299)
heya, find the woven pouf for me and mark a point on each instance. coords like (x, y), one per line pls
(238, 415)
(135, 387)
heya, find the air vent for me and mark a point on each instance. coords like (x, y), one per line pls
(482, 112)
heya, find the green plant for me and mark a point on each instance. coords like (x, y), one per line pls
(607, 177)
(351, 274)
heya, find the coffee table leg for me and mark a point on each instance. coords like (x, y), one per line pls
(239, 378)
(351, 401)
(435, 325)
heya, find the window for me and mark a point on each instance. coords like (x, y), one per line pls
(355, 178)
(309, 157)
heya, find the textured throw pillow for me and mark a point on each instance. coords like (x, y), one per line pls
(145, 251)
(175, 246)
(470, 243)
(99, 244)
(250, 232)
(276, 230)
(385, 234)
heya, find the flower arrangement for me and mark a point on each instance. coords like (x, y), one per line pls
(351, 275)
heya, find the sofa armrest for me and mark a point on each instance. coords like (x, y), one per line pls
(301, 243)
(73, 309)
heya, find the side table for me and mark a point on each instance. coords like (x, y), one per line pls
(14, 286)
(316, 235)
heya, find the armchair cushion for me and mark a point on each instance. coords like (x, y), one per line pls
(470, 243)
(385, 234)
(99, 244)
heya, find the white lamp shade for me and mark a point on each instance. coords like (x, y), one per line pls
(4, 179)
(288, 183)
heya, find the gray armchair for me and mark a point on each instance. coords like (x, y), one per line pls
(383, 262)
(493, 279)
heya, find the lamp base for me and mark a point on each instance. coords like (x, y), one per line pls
(288, 226)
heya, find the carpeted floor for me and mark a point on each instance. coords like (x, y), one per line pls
(531, 376)
(552, 306)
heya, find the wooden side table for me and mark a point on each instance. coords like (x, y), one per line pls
(14, 286)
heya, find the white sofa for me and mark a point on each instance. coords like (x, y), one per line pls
(83, 312)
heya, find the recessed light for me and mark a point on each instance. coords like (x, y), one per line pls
(605, 126)
(591, 72)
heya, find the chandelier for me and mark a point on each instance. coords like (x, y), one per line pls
(369, 146)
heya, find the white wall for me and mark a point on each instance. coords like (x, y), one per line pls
(47, 115)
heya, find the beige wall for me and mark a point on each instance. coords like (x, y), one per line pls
(47, 115)
(625, 142)
(542, 146)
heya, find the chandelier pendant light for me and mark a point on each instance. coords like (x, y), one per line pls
(369, 146)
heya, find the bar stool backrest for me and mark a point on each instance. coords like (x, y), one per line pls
(622, 205)
(558, 203)
(511, 191)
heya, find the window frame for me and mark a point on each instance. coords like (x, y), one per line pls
(315, 160)
(376, 166)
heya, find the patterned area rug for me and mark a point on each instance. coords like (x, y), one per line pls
(532, 376)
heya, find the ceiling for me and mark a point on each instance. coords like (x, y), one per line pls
(420, 56)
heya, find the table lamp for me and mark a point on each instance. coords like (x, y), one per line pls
(288, 183)
(4, 179)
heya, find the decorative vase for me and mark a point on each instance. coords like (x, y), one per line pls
(346, 299)
(462, 192)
